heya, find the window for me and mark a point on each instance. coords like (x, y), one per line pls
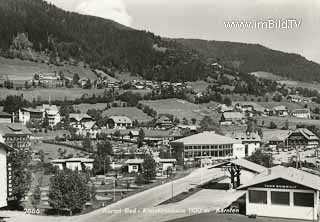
(134, 167)
(303, 199)
(257, 196)
(280, 198)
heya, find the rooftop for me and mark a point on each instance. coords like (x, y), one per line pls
(13, 128)
(290, 174)
(79, 116)
(134, 161)
(233, 115)
(306, 133)
(121, 119)
(280, 108)
(4, 114)
(82, 160)
(243, 136)
(207, 137)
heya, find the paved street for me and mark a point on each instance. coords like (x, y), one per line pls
(143, 202)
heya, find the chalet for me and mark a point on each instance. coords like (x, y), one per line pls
(301, 113)
(163, 123)
(90, 129)
(229, 118)
(281, 192)
(79, 164)
(5, 117)
(162, 137)
(294, 98)
(119, 122)
(281, 111)
(206, 145)
(77, 119)
(303, 138)
(250, 140)
(276, 138)
(15, 135)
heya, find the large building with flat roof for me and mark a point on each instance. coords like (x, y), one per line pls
(206, 145)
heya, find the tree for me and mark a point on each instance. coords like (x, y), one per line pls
(45, 123)
(36, 197)
(101, 163)
(273, 125)
(75, 79)
(207, 124)
(261, 158)
(69, 190)
(21, 175)
(194, 121)
(13, 103)
(86, 142)
(141, 138)
(185, 121)
(149, 168)
(227, 101)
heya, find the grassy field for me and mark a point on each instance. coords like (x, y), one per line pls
(55, 94)
(132, 112)
(51, 151)
(23, 70)
(181, 109)
(199, 86)
(291, 106)
(84, 107)
(280, 121)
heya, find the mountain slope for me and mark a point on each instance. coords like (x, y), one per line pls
(102, 43)
(253, 57)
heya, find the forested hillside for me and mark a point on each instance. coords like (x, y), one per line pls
(99, 42)
(253, 57)
(29, 27)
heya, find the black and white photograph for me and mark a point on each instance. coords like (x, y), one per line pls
(159, 110)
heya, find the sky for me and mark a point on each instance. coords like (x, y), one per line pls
(205, 19)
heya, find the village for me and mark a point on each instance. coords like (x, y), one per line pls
(127, 140)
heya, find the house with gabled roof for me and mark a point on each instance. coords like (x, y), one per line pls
(281, 192)
(303, 138)
(119, 122)
(229, 118)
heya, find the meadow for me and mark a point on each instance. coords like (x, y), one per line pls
(22, 70)
(182, 109)
(54, 94)
(132, 112)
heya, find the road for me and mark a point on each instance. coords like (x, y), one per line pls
(145, 203)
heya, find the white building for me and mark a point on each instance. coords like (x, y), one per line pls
(38, 114)
(52, 113)
(301, 113)
(74, 164)
(251, 141)
(119, 122)
(3, 175)
(5, 117)
(134, 165)
(90, 129)
(283, 193)
(206, 145)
